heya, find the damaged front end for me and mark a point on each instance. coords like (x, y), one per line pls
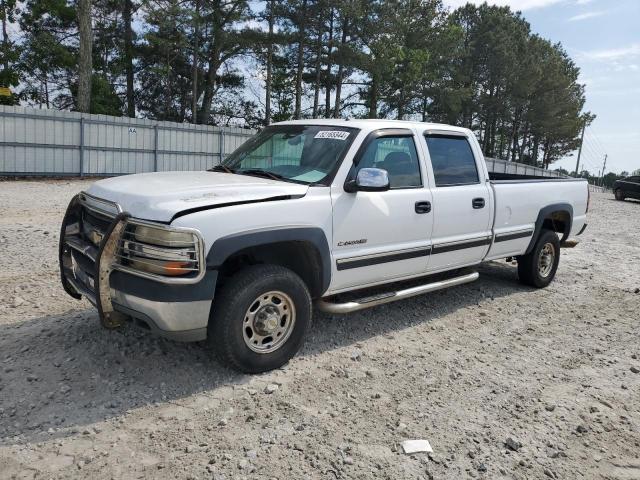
(89, 240)
(133, 269)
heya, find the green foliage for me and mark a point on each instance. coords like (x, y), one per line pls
(516, 90)
(9, 53)
(205, 61)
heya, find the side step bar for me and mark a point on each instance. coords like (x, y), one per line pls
(348, 307)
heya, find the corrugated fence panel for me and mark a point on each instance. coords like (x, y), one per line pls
(51, 142)
(504, 166)
(192, 141)
(118, 136)
(233, 140)
(172, 162)
(35, 160)
(104, 162)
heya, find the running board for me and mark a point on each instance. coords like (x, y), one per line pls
(388, 297)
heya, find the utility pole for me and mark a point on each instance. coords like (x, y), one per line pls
(584, 125)
(603, 167)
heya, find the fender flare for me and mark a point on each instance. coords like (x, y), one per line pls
(224, 247)
(545, 213)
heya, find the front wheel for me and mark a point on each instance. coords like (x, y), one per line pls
(260, 318)
(618, 194)
(538, 268)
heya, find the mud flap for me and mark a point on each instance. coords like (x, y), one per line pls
(109, 318)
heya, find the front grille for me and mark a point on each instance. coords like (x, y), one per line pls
(94, 226)
(85, 224)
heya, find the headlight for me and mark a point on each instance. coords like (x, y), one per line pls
(161, 251)
(165, 237)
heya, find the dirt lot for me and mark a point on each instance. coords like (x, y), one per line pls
(554, 370)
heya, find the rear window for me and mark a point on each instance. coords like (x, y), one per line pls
(452, 160)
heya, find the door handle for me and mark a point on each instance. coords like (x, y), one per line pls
(478, 203)
(423, 207)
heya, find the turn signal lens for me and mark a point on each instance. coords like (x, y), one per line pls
(177, 268)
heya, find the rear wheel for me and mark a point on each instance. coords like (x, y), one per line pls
(618, 194)
(538, 268)
(260, 318)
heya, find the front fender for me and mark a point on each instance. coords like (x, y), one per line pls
(224, 247)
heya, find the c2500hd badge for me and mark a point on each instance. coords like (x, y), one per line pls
(347, 243)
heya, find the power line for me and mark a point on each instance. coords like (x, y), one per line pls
(584, 127)
(596, 148)
(596, 137)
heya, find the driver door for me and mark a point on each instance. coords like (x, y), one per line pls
(379, 236)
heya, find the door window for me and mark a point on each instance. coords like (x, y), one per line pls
(397, 155)
(452, 161)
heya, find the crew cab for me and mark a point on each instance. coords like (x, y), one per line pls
(348, 214)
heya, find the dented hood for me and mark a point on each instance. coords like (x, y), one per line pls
(161, 196)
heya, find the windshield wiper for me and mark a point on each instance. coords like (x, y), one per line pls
(221, 168)
(262, 173)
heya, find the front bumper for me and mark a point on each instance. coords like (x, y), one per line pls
(179, 312)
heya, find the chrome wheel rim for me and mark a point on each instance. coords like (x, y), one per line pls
(269, 321)
(546, 259)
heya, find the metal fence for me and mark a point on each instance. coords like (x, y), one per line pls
(56, 143)
(495, 165)
(596, 188)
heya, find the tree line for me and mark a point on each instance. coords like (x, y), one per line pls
(248, 63)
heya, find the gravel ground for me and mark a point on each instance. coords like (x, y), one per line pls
(504, 381)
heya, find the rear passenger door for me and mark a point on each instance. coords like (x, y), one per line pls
(461, 202)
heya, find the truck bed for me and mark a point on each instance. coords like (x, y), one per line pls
(518, 204)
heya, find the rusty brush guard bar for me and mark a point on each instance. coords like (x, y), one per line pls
(109, 318)
(99, 292)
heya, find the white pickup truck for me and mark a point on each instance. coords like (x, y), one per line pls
(317, 210)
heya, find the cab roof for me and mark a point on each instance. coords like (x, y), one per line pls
(375, 124)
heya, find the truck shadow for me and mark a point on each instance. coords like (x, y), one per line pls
(65, 372)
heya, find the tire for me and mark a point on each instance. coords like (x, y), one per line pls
(619, 195)
(536, 271)
(259, 318)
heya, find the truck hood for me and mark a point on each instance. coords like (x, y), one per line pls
(161, 196)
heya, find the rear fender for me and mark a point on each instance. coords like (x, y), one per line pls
(548, 213)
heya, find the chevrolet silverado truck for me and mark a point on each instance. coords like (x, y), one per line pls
(348, 214)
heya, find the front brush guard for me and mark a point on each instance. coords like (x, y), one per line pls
(104, 260)
(109, 318)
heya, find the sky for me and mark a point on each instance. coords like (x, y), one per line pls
(603, 39)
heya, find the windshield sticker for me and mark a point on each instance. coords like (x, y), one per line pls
(310, 176)
(333, 134)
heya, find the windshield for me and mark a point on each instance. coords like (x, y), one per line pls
(308, 154)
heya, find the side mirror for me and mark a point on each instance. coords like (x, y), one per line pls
(369, 180)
